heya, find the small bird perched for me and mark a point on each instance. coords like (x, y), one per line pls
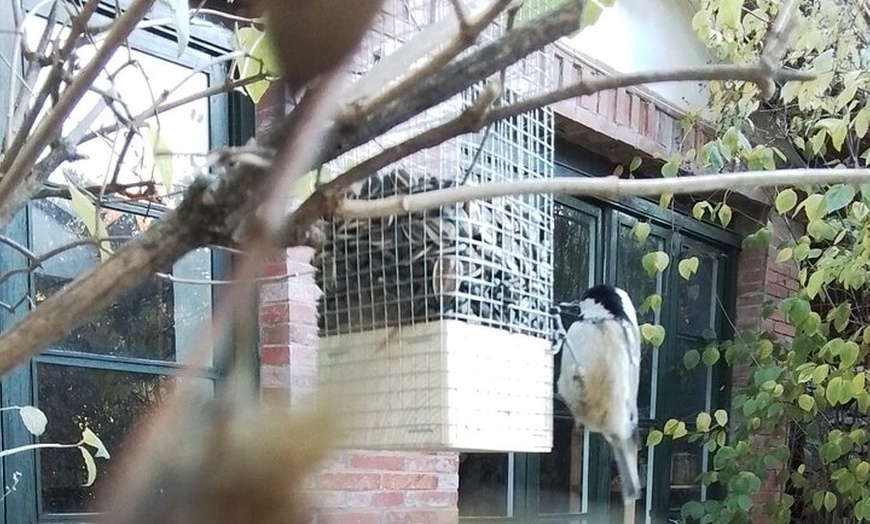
(600, 371)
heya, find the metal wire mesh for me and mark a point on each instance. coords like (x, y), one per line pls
(483, 262)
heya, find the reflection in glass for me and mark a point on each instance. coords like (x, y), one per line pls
(696, 296)
(691, 383)
(685, 467)
(157, 320)
(573, 234)
(108, 402)
(483, 484)
(631, 276)
(560, 476)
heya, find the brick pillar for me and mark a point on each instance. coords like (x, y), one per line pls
(354, 487)
(760, 278)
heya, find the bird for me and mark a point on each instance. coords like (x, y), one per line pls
(600, 373)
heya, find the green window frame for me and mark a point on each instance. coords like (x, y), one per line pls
(80, 363)
(524, 482)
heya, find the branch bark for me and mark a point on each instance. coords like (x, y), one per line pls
(606, 187)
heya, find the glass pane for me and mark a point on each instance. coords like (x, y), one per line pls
(643, 464)
(139, 81)
(483, 484)
(685, 467)
(560, 476)
(691, 385)
(696, 298)
(157, 320)
(108, 402)
(631, 276)
(574, 252)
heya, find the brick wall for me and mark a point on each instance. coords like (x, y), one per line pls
(761, 279)
(354, 487)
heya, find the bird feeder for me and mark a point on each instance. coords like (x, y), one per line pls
(434, 326)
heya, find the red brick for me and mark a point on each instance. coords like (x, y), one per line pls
(431, 499)
(277, 334)
(409, 481)
(447, 463)
(419, 516)
(377, 462)
(329, 499)
(376, 499)
(328, 517)
(277, 313)
(275, 355)
(274, 269)
(349, 481)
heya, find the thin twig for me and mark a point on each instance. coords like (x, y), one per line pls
(259, 280)
(607, 187)
(17, 182)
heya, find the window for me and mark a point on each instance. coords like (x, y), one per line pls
(577, 480)
(108, 372)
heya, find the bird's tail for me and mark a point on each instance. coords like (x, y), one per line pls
(625, 456)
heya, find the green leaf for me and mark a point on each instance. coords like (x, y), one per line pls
(699, 208)
(806, 402)
(815, 283)
(160, 154)
(858, 384)
(832, 391)
(820, 374)
(90, 465)
(783, 255)
(729, 13)
(702, 422)
(830, 501)
(34, 419)
(814, 206)
(651, 303)
(181, 19)
(260, 57)
(721, 417)
(86, 211)
(862, 121)
(640, 230)
(785, 201)
(670, 169)
(91, 439)
(849, 355)
(665, 200)
(655, 262)
(670, 426)
(710, 356)
(652, 334)
(725, 214)
(680, 431)
(635, 164)
(654, 438)
(839, 196)
(688, 267)
(691, 358)
(592, 11)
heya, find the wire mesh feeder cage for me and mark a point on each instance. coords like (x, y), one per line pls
(434, 325)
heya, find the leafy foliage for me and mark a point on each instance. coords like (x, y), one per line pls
(801, 415)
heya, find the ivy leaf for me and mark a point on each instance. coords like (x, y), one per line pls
(688, 267)
(34, 419)
(160, 154)
(785, 201)
(702, 422)
(699, 208)
(729, 13)
(651, 303)
(862, 121)
(721, 417)
(91, 466)
(86, 211)
(830, 501)
(691, 358)
(710, 357)
(91, 439)
(654, 438)
(655, 262)
(806, 402)
(592, 11)
(259, 58)
(783, 255)
(635, 164)
(670, 169)
(839, 196)
(858, 384)
(652, 334)
(640, 230)
(848, 355)
(725, 214)
(181, 19)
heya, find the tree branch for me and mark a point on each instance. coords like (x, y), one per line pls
(606, 187)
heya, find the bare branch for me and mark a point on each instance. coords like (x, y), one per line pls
(201, 282)
(607, 187)
(18, 181)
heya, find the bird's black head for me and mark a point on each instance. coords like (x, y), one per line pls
(607, 297)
